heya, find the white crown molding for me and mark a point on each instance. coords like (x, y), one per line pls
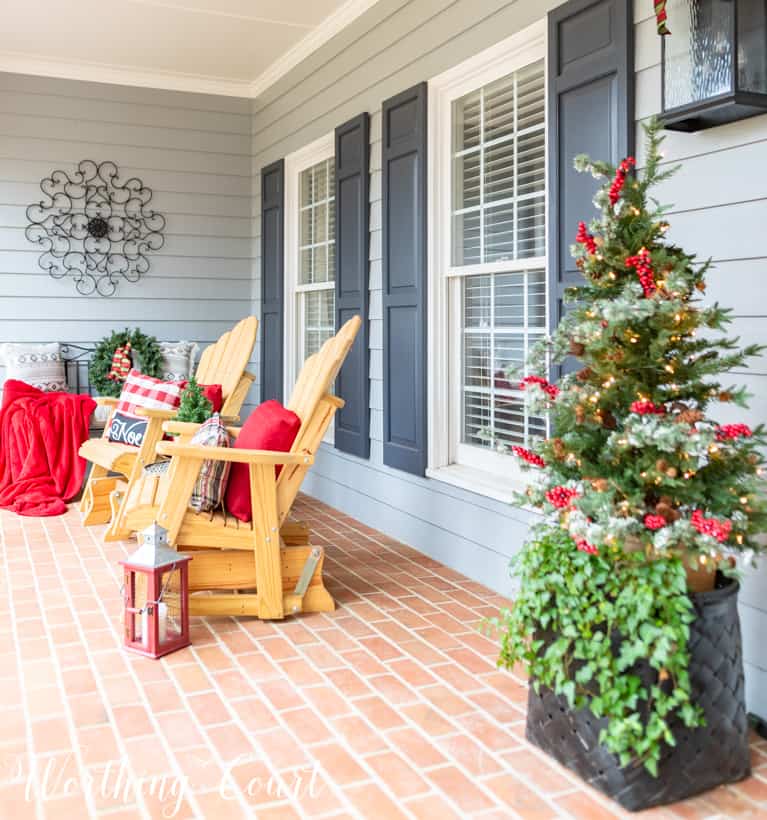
(19, 63)
(317, 37)
(39, 65)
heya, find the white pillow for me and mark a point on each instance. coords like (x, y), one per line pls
(178, 360)
(37, 364)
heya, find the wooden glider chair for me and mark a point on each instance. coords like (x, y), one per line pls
(116, 467)
(265, 567)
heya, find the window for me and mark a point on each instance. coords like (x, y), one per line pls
(309, 254)
(488, 266)
(316, 257)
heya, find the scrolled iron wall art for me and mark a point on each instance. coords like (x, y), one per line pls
(95, 228)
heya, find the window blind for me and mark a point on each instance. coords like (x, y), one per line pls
(499, 170)
(316, 292)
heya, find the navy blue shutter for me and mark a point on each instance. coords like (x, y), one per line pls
(590, 111)
(404, 280)
(352, 194)
(272, 279)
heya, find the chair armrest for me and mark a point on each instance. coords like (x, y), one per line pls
(164, 415)
(106, 401)
(242, 456)
(189, 428)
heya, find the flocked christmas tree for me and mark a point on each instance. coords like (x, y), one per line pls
(642, 493)
(194, 406)
(635, 463)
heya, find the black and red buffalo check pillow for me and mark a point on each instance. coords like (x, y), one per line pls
(126, 425)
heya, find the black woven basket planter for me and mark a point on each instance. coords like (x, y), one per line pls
(703, 758)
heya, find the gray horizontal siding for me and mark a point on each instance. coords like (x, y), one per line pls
(718, 210)
(393, 46)
(192, 150)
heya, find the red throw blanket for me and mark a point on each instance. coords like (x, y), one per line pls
(40, 434)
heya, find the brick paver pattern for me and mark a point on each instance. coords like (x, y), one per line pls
(389, 707)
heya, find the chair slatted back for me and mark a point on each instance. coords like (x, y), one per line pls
(317, 376)
(225, 361)
(312, 403)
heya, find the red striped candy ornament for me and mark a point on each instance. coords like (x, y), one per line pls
(661, 17)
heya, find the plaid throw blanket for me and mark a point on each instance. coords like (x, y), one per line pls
(209, 489)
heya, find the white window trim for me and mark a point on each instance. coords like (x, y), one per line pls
(492, 475)
(295, 163)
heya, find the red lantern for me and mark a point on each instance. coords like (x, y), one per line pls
(156, 598)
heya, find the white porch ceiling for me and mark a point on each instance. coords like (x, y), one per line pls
(232, 47)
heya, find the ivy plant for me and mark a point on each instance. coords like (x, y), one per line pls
(609, 634)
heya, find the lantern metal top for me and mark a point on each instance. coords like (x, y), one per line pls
(154, 551)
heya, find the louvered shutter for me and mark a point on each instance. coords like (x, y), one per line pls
(272, 279)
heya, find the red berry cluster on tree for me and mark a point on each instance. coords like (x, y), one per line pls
(655, 522)
(642, 262)
(561, 497)
(583, 237)
(528, 456)
(620, 179)
(647, 408)
(583, 545)
(551, 390)
(733, 431)
(711, 526)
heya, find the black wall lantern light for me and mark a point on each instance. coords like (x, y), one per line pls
(714, 62)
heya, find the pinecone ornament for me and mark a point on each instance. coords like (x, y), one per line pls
(577, 348)
(664, 507)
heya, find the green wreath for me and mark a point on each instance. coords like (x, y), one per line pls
(144, 347)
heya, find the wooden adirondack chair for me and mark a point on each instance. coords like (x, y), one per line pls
(116, 467)
(266, 567)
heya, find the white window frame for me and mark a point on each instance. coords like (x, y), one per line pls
(483, 471)
(317, 151)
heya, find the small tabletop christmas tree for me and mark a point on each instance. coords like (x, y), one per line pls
(635, 463)
(194, 406)
(642, 494)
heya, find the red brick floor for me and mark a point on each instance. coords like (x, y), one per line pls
(389, 707)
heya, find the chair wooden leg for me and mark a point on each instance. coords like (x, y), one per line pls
(96, 472)
(94, 506)
(266, 531)
(118, 502)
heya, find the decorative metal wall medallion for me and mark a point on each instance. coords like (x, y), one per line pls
(95, 228)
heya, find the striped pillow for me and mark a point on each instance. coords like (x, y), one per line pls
(126, 426)
(209, 489)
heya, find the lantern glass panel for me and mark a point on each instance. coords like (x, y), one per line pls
(135, 622)
(698, 54)
(169, 607)
(752, 46)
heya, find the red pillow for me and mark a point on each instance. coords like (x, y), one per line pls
(269, 427)
(214, 393)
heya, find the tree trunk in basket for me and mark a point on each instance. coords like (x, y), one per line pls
(703, 758)
(702, 578)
